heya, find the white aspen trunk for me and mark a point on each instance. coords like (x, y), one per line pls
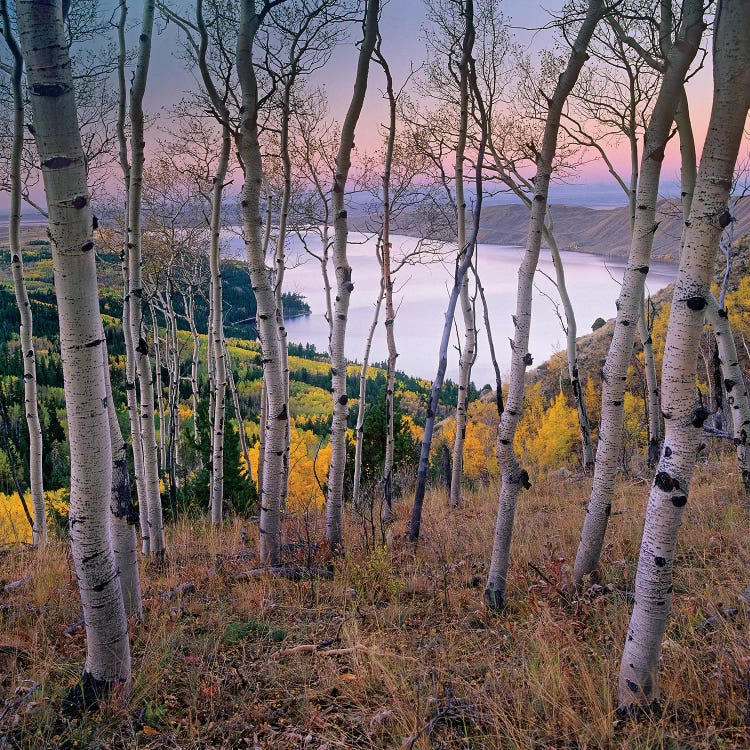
(173, 359)
(237, 413)
(638, 686)
(159, 387)
(137, 333)
(467, 357)
(344, 286)
(130, 371)
(513, 476)
(124, 516)
(275, 426)
(58, 142)
(734, 384)
(280, 262)
(652, 385)
(26, 331)
(360, 427)
(195, 360)
(587, 450)
(630, 300)
(262, 435)
(219, 364)
(387, 292)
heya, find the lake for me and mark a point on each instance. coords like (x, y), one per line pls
(421, 295)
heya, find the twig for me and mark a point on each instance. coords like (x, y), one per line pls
(312, 648)
(17, 584)
(544, 578)
(72, 628)
(293, 574)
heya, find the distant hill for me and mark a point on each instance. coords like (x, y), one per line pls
(587, 230)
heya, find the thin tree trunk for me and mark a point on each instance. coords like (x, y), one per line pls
(463, 262)
(142, 358)
(28, 352)
(360, 427)
(513, 476)
(571, 333)
(733, 383)
(189, 303)
(159, 386)
(467, 357)
(58, 142)
(124, 515)
(638, 686)
(237, 413)
(130, 369)
(275, 426)
(344, 286)
(630, 301)
(219, 365)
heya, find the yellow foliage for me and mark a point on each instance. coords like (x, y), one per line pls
(14, 527)
(416, 432)
(185, 412)
(306, 459)
(550, 437)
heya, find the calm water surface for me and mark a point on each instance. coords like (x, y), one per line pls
(422, 295)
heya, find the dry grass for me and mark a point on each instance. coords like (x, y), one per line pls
(416, 653)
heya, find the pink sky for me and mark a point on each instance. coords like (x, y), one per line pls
(402, 44)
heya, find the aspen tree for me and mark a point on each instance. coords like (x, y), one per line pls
(513, 476)
(709, 215)
(58, 141)
(277, 415)
(630, 300)
(463, 263)
(468, 351)
(344, 285)
(138, 334)
(28, 350)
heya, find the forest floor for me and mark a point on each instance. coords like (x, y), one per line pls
(397, 650)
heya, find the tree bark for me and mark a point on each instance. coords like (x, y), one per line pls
(638, 686)
(217, 334)
(344, 286)
(360, 426)
(135, 303)
(26, 331)
(275, 427)
(733, 384)
(124, 515)
(513, 476)
(630, 301)
(468, 353)
(58, 141)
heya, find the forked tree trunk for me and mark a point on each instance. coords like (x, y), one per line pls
(58, 141)
(630, 301)
(468, 352)
(638, 686)
(344, 286)
(275, 427)
(135, 306)
(28, 352)
(513, 476)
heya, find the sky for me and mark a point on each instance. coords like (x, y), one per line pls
(403, 45)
